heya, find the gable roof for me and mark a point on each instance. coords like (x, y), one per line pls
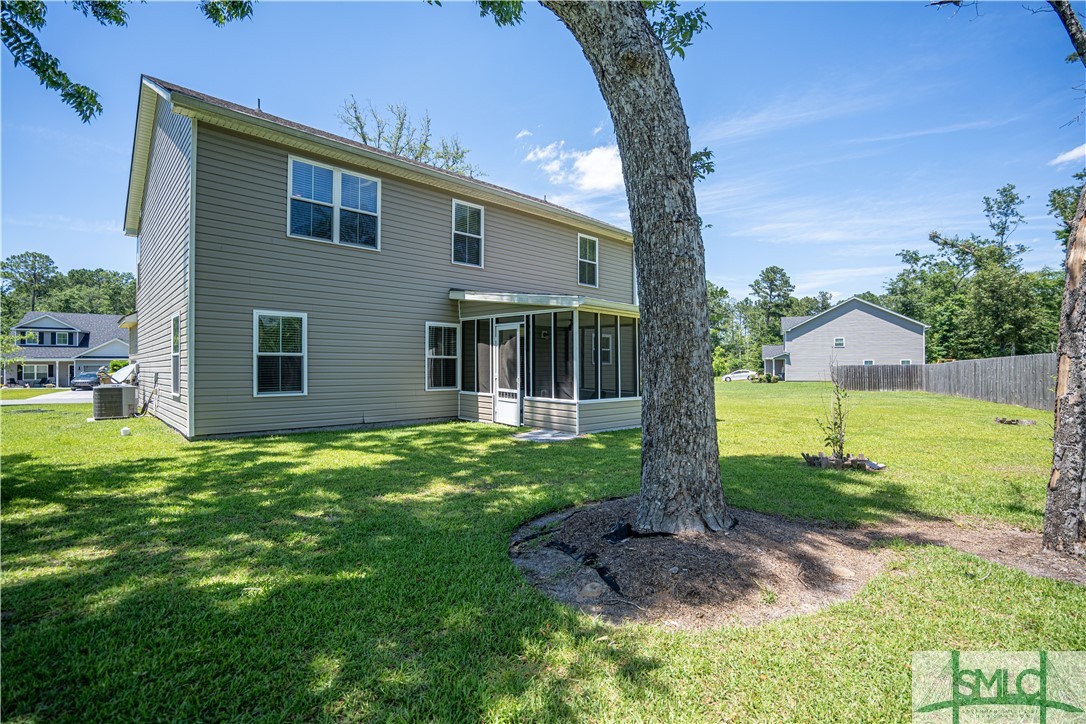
(100, 328)
(216, 111)
(850, 300)
(788, 322)
(772, 351)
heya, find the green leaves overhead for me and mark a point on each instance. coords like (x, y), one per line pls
(222, 12)
(675, 29)
(20, 23)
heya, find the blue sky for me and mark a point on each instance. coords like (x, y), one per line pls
(843, 132)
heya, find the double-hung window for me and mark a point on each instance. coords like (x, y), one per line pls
(330, 204)
(175, 354)
(279, 353)
(467, 234)
(442, 356)
(587, 261)
(63, 338)
(838, 342)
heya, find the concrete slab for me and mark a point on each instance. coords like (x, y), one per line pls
(63, 397)
(546, 436)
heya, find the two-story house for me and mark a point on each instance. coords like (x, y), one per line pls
(854, 332)
(57, 346)
(289, 278)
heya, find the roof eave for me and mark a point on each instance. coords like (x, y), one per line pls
(236, 120)
(150, 93)
(864, 301)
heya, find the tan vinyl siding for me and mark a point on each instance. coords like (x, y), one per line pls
(469, 310)
(550, 415)
(602, 415)
(163, 269)
(366, 310)
(476, 407)
(870, 334)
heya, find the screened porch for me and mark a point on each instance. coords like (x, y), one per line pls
(554, 362)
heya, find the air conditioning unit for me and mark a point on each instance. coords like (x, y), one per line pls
(114, 401)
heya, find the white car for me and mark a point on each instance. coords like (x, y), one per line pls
(739, 375)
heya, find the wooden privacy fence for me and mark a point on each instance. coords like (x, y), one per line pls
(1026, 380)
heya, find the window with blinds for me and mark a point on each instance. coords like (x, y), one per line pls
(442, 356)
(587, 261)
(279, 362)
(467, 234)
(330, 204)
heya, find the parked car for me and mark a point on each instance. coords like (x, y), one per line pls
(739, 375)
(85, 381)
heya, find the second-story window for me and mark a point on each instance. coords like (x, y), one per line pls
(588, 261)
(330, 204)
(467, 234)
(63, 338)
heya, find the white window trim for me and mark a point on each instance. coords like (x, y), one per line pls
(869, 363)
(482, 236)
(175, 379)
(427, 356)
(906, 363)
(305, 351)
(36, 377)
(31, 340)
(67, 339)
(609, 348)
(595, 263)
(336, 206)
(838, 346)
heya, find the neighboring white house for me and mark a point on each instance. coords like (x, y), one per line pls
(854, 332)
(56, 346)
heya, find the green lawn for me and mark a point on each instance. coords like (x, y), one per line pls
(22, 393)
(364, 575)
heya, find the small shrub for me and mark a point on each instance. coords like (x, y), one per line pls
(117, 364)
(833, 427)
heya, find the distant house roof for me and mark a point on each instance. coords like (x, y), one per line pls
(790, 323)
(772, 351)
(100, 329)
(214, 110)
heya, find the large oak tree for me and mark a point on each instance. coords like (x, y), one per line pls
(1065, 507)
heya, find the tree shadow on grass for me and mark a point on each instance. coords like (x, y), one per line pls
(787, 486)
(348, 574)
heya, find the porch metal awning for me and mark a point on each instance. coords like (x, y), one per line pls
(558, 301)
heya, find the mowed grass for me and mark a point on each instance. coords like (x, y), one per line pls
(365, 575)
(23, 393)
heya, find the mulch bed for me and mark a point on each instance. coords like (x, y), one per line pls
(767, 568)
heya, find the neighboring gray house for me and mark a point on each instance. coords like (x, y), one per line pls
(56, 346)
(854, 332)
(289, 278)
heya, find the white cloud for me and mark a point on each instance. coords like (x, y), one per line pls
(1075, 154)
(597, 130)
(523, 134)
(598, 169)
(787, 111)
(952, 128)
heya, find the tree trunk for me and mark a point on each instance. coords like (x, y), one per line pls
(680, 464)
(1065, 508)
(1072, 26)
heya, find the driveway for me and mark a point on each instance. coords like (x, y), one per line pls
(64, 397)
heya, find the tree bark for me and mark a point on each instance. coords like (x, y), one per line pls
(1072, 26)
(1065, 507)
(680, 463)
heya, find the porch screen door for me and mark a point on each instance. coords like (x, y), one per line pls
(507, 374)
